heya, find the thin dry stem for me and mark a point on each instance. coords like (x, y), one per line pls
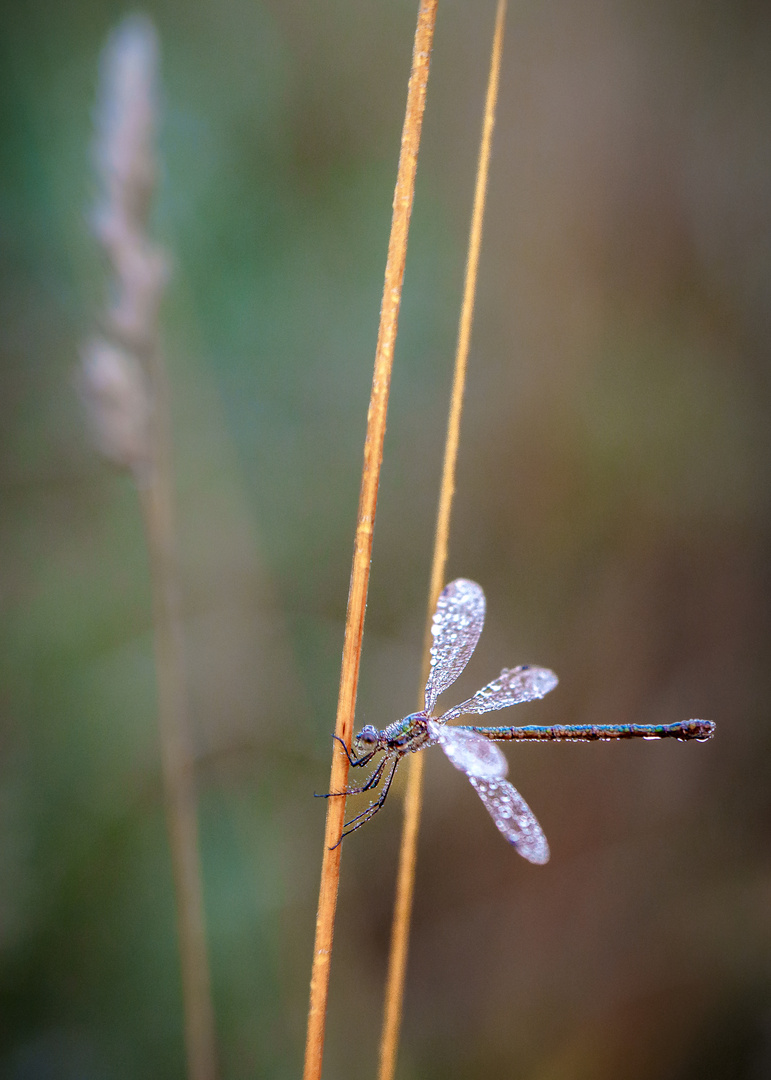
(397, 963)
(357, 595)
(177, 759)
(124, 384)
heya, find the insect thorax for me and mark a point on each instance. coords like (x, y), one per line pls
(408, 734)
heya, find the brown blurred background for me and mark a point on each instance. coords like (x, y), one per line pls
(613, 500)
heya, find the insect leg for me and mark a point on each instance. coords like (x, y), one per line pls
(362, 818)
(372, 781)
(354, 761)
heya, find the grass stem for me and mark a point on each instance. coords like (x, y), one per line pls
(124, 385)
(357, 595)
(405, 885)
(156, 501)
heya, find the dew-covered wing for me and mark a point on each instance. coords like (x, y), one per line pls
(471, 753)
(512, 686)
(456, 626)
(513, 817)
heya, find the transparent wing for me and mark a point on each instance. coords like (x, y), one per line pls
(457, 624)
(485, 766)
(513, 817)
(471, 753)
(512, 686)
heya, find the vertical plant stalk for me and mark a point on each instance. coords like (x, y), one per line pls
(397, 963)
(156, 500)
(357, 594)
(123, 382)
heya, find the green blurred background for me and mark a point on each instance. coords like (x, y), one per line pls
(613, 499)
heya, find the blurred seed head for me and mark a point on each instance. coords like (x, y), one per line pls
(124, 153)
(115, 379)
(115, 391)
(125, 121)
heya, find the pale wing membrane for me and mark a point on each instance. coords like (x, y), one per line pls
(512, 686)
(513, 817)
(471, 753)
(456, 626)
(485, 766)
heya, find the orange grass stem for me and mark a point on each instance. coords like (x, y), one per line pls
(357, 594)
(397, 963)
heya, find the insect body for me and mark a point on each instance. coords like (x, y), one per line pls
(456, 627)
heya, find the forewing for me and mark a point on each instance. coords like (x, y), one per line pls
(512, 686)
(471, 753)
(513, 817)
(456, 626)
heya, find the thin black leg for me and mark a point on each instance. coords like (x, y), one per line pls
(362, 818)
(372, 781)
(354, 761)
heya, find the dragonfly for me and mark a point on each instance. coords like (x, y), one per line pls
(456, 627)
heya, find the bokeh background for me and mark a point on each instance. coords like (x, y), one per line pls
(613, 499)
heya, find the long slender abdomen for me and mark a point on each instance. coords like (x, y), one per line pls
(700, 730)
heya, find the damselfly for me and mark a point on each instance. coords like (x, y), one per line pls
(457, 624)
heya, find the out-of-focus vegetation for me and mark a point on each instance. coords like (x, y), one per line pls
(613, 500)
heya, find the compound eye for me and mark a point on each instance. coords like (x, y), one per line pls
(367, 736)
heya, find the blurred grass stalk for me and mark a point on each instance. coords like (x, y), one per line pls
(405, 883)
(362, 554)
(124, 385)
